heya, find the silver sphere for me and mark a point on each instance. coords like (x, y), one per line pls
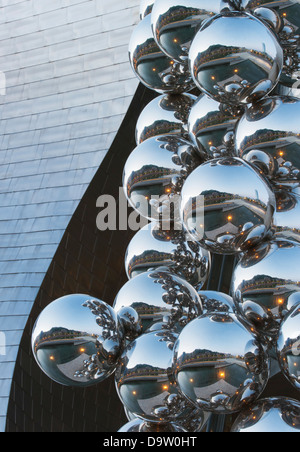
(268, 136)
(154, 246)
(146, 7)
(145, 382)
(152, 67)
(263, 281)
(175, 25)
(161, 300)
(288, 346)
(216, 302)
(165, 115)
(231, 65)
(287, 216)
(211, 127)
(76, 341)
(274, 415)
(226, 206)
(154, 174)
(140, 426)
(219, 363)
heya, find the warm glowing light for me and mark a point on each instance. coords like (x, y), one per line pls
(222, 374)
(191, 380)
(175, 40)
(134, 392)
(165, 387)
(52, 358)
(82, 350)
(154, 69)
(281, 153)
(168, 190)
(236, 71)
(229, 218)
(213, 77)
(280, 301)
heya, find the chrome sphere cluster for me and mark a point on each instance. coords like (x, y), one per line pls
(216, 170)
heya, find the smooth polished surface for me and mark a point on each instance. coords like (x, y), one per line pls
(287, 215)
(211, 127)
(154, 246)
(167, 114)
(146, 7)
(237, 203)
(263, 281)
(233, 66)
(268, 136)
(288, 347)
(216, 302)
(144, 379)
(140, 426)
(160, 298)
(154, 173)
(175, 23)
(274, 415)
(153, 67)
(219, 363)
(76, 341)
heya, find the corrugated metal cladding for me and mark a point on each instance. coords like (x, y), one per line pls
(68, 85)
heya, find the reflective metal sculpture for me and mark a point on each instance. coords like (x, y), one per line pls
(153, 67)
(165, 115)
(140, 426)
(211, 127)
(216, 302)
(288, 346)
(161, 300)
(263, 281)
(146, 7)
(76, 341)
(154, 246)
(154, 174)
(234, 66)
(226, 206)
(287, 216)
(219, 363)
(175, 24)
(274, 415)
(144, 379)
(268, 136)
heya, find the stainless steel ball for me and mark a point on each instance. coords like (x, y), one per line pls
(175, 24)
(219, 363)
(227, 206)
(287, 216)
(154, 174)
(146, 7)
(288, 347)
(161, 300)
(211, 127)
(76, 341)
(153, 67)
(274, 415)
(268, 136)
(231, 65)
(140, 426)
(165, 115)
(155, 246)
(145, 382)
(263, 281)
(217, 302)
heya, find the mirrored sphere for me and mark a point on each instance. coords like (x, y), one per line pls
(154, 174)
(153, 67)
(211, 127)
(288, 347)
(175, 24)
(268, 136)
(76, 341)
(146, 7)
(216, 302)
(160, 298)
(219, 364)
(226, 206)
(144, 379)
(232, 66)
(274, 415)
(140, 426)
(287, 216)
(165, 115)
(263, 281)
(155, 246)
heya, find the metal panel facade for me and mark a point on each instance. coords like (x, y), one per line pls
(68, 84)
